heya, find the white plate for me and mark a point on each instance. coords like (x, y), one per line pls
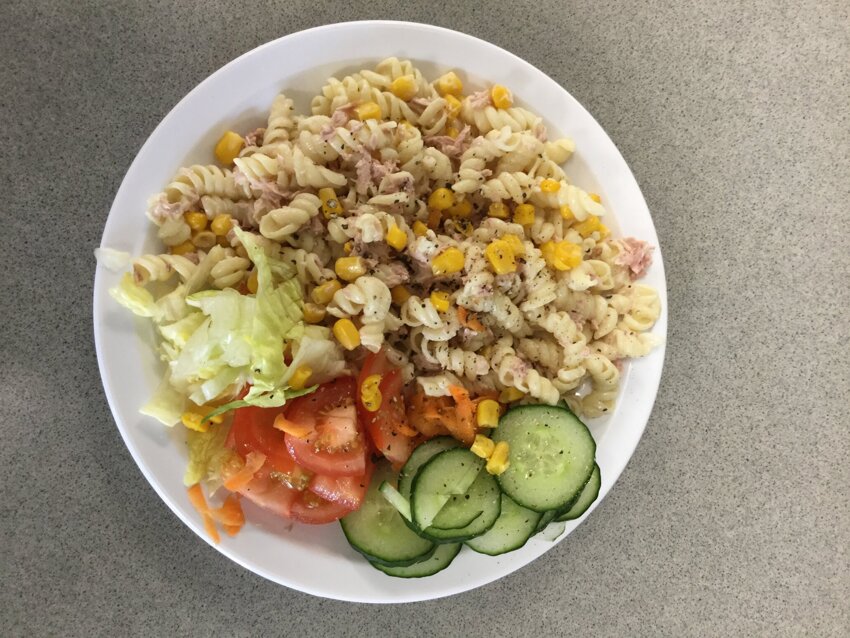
(317, 560)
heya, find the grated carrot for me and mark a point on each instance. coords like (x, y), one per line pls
(464, 423)
(469, 320)
(236, 479)
(290, 427)
(196, 498)
(230, 514)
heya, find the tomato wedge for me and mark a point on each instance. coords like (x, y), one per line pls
(270, 493)
(348, 491)
(314, 510)
(349, 463)
(272, 485)
(334, 446)
(387, 427)
(253, 431)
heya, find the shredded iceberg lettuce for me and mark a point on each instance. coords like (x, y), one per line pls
(167, 404)
(111, 259)
(207, 454)
(217, 341)
(137, 299)
(319, 351)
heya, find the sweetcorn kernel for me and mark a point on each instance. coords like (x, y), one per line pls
(567, 213)
(603, 231)
(524, 214)
(550, 186)
(347, 334)
(440, 300)
(330, 204)
(367, 111)
(569, 254)
(501, 96)
(400, 294)
(227, 148)
(453, 105)
(449, 84)
(323, 293)
(253, 282)
(313, 313)
(195, 421)
(441, 199)
(487, 413)
(404, 87)
(448, 262)
(221, 224)
(498, 461)
(298, 380)
(498, 210)
(509, 395)
(184, 248)
(396, 237)
(501, 257)
(515, 243)
(419, 228)
(196, 220)
(562, 255)
(483, 446)
(587, 227)
(462, 209)
(370, 393)
(349, 268)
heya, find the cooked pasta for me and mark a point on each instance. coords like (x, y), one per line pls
(397, 208)
(288, 219)
(162, 267)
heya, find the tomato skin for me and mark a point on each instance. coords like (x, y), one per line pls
(253, 430)
(334, 393)
(350, 463)
(348, 491)
(270, 493)
(335, 447)
(383, 426)
(318, 513)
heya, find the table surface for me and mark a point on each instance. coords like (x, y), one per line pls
(732, 517)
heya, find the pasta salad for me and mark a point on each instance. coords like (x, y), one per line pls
(390, 275)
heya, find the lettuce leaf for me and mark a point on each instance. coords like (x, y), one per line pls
(137, 299)
(278, 313)
(207, 454)
(111, 259)
(167, 404)
(316, 349)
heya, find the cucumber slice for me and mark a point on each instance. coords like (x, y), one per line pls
(586, 498)
(421, 455)
(455, 515)
(553, 531)
(379, 532)
(515, 525)
(546, 518)
(395, 499)
(447, 474)
(483, 498)
(442, 558)
(551, 456)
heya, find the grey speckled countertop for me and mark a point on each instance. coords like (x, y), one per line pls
(732, 517)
